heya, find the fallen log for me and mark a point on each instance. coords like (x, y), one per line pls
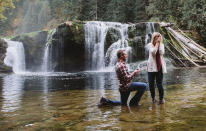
(180, 43)
(201, 47)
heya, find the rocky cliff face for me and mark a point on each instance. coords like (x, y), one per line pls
(34, 44)
(137, 39)
(67, 45)
(3, 47)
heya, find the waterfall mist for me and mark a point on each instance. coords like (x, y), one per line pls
(150, 29)
(95, 34)
(47, 58)
(35, 16)
(15, 56)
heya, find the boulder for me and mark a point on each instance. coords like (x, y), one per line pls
(3, 68)
(112, 36)
(136, 38)
(68, 47)
(34, 44)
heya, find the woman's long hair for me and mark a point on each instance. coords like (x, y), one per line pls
(154, 35)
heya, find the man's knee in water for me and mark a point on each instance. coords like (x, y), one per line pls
(144, 86)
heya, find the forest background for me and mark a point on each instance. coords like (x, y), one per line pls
(188, 15)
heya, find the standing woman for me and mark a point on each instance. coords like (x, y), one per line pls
(156, 66)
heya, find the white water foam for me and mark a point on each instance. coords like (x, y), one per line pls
(15, 56)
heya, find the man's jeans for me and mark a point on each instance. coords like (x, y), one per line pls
(158, 76)
(140, 87)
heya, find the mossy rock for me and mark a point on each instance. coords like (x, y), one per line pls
(68, 47)
(137, 29)
(113, 35)
(3, 46)
(34, 44)
(138, 48)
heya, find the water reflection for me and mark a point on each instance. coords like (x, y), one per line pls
(45, 92)
(12, 92)
(69, 102)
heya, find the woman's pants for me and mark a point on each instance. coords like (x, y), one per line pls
(158, 77)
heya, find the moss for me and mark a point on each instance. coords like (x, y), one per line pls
(130, 43)
(58, 127)
(78, 31)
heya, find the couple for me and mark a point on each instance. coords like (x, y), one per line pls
(156, 66)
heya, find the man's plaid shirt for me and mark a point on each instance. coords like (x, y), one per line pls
(123, 75)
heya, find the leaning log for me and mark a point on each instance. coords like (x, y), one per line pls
(201, 47)
(181, 45)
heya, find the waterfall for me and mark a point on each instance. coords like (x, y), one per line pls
(111, 55)
(149, 30)
(15, 56)
(47, 59)
(95, 35)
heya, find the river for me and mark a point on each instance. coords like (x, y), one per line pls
(68, 101)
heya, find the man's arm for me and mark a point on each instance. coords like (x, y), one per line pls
(126, 75)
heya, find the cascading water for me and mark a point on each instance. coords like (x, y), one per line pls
(15, 56)
(47, 59)
(149, 30)
(111, 56)
(95, 33)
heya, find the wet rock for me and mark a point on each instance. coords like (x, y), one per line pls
(112, 36)
(138, 48)
(68, 47)
(3, 47)
(34, 44)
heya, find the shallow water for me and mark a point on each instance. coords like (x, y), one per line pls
(64, 101)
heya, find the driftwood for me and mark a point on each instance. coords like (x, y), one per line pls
(201, 47)
(162, 24)
(175, 57)
(186, 50)
(180, 43)
(187, 42)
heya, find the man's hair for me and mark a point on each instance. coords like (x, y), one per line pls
(120, 53)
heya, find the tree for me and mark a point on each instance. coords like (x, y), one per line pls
(4, 5)
(188, 14)
(135, 10)
(115, 11)
(194, 16)
(65, 9)
(88, 10)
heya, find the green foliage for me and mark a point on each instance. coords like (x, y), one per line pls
(88, 10)
(65, 9)
(101, 10)
(187, 14)
(194, 16)
(4, 5)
